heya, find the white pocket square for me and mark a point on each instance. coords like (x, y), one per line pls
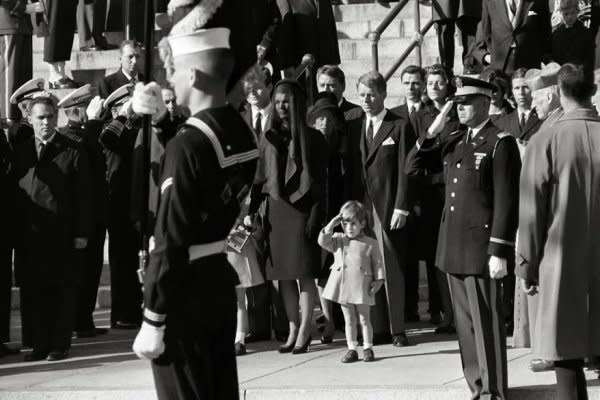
(531, 13)
(388, 142)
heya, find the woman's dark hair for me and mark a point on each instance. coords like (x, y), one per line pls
(440, 70)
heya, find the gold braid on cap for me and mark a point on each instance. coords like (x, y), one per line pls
(195, 19)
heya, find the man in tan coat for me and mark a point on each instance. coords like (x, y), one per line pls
(559, 224)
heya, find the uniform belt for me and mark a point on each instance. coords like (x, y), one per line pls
(197, 251)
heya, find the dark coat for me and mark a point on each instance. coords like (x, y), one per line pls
(308, 26)
(377, 175)
(482, 197)
(19, 132)
(118, 138)
(53, 205)
(351, 111)
(61, 15)
(112, 82)
(429, 184)
(162, 133)
(531, 35)
(88, 135)
(454, 9)
(403, 112)
(509, 123)
(13, 20)
(574, 45)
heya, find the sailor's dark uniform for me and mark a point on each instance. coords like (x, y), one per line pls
(189, 285)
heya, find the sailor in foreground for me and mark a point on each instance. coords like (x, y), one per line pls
(189, 287)
(477, 233)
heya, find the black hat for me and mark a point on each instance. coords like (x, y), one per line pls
(324, 101)
(467, 87)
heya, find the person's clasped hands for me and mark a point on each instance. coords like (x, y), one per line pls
(147, 100)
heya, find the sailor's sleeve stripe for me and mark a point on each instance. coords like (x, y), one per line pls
(502, 241)
(151, 316)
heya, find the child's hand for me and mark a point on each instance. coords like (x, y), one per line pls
(375, 286)
(335, 221)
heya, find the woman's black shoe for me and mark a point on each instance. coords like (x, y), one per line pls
(327, 339)
(302, 349)
(286, 348)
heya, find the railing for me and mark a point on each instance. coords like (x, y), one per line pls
(375, 36)
(305, 76)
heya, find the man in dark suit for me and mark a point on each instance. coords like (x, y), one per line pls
(54, 221)
(118, 139)
(478, 230)
(331, 78)
(513, 34)
(84, 125)
(523, 122)
(265, 307)
(378, 144)
(129, 53)
(413, 80)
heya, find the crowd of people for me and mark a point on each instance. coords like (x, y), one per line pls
(488, 177)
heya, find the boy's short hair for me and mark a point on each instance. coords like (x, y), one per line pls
(373, 80)
(257, 74)
(355, 209)
(332, 71)
(576, 82)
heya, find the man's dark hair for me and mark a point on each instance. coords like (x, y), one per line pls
(413, 69)
(131, 43)
(576, 82)
(519, 73)
(373, 80)
(45, 100)
(332, 71)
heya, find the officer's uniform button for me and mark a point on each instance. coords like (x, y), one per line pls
(458, 165)
(452, 194)
(451, 208)
(455, 180)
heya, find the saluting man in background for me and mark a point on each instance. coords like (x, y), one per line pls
(477, 234)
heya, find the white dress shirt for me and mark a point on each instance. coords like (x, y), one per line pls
(265, 114)
(376, 120)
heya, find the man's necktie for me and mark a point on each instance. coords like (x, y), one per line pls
(40, 147)
(513, 7)
(469, 135)
(523, 121)
(370, 133)
(258, 125)
(412, 114)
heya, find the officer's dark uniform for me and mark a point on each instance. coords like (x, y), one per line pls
(479, 220)
(6, 234)
(207, 171)
(91, 268)
(117, 139)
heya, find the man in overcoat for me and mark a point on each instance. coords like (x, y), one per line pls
(378, 143)
(513, 34)
(559, 223)
(477, 234)
(448, 14)
(84, 125)
(53, 225)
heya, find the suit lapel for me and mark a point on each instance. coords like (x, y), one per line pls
(531, 123)
(524, 7)
(363, 141)
(504, 13)
(380, 136)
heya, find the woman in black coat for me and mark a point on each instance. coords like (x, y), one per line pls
(291, 174)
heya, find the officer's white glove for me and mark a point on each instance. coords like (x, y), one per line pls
(147, 99)
(498, 267)
(95, 108)
(440, 120)
(149, 342)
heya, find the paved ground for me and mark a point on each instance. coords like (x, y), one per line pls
(105, 368)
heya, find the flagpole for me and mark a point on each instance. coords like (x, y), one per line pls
(146, 132)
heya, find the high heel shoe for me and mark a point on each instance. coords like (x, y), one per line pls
(327, 334)
(286, 348)
(302, 349)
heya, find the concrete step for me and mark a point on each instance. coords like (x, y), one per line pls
(375, 11)
(355, 49)
(400, 27)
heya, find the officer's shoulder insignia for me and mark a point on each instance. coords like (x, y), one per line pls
(502, 135)
(455, 132)
(226, 156)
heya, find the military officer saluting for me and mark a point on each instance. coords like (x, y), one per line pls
(83, 112)
(22, 130)
(208, 167)
(477, 233)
